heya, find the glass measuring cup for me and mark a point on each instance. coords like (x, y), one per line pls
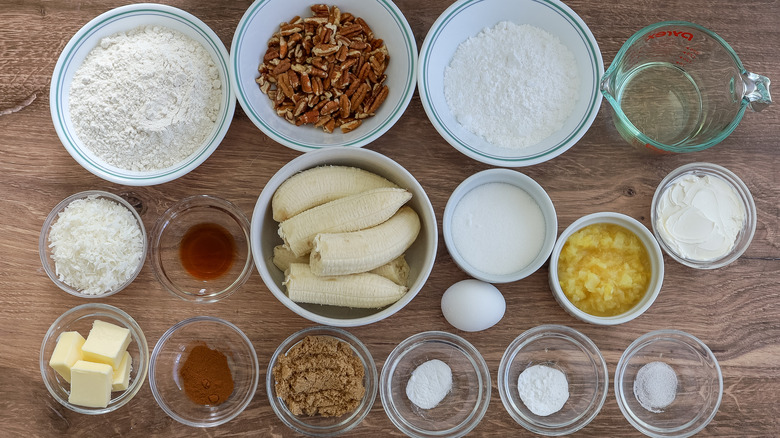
(675, 86)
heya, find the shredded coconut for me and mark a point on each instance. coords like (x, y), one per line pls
(514, 85)
(544, 390)
(96, 245)
(145, 99)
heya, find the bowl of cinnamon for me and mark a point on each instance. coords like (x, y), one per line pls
(203, 371)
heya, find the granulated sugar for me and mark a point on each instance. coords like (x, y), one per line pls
(514, 85)
(145, 99)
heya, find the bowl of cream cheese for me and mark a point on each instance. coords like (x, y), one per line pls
(703, 215)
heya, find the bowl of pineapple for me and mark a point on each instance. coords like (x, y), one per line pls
(344, 236)
(606, 268)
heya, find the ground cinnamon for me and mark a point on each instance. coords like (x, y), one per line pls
(206, 376)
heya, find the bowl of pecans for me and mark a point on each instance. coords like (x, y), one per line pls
(327, 75)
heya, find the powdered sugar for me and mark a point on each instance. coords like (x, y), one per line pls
(145, 99)
(514, 85)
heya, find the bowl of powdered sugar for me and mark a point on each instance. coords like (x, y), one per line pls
(141, 94)
(510, 83)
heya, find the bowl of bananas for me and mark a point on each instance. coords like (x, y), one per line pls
(344, 236)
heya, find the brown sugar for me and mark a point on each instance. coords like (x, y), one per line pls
(320, 375)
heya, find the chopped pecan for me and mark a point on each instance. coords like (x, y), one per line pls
(327, 70)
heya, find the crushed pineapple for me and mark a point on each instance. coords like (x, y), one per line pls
(604, 269)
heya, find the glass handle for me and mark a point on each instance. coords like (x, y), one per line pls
(757, 91)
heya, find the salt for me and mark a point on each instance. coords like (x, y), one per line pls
(498, 228)
(655, 386)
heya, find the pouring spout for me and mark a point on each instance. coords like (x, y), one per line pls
(756, 91)
(607, 86)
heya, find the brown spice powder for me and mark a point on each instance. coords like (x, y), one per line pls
(206, 376)
(320, 375)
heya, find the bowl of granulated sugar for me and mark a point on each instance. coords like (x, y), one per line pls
(510, 83)
(141, 94)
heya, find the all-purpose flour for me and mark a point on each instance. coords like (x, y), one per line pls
(145, 99)
(514, 85)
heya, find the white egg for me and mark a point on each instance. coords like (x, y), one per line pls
(473, 305)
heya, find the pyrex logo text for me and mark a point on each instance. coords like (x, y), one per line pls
(687, 35)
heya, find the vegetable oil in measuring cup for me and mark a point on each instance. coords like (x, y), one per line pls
(662, 101)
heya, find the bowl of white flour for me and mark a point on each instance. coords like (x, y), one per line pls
(141, 95)
(510, 83)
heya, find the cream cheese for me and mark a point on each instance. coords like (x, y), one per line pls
(700, 217)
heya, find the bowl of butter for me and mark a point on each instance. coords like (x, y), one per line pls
(94, 359)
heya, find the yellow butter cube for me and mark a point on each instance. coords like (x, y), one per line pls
(122, 375)
(90, 384)
(66, 353)
(106, 343)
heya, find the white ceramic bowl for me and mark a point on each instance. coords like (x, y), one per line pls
(656, 265)
(420, 255)
(466, 18)
(521, 181)
(701, 170)
(126, 18)
(250, 43)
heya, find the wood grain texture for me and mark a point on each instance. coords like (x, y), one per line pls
(735, 310)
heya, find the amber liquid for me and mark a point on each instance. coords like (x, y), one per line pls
(207, 251)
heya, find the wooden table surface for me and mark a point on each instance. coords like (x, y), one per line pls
(735, 309)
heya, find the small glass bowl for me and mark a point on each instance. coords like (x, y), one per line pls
(165, 247)
(317, 426)
(80, 319)
(699, 384)
(46, 252)
(170, 353)
(465, 405)
(572, 353)
(701, 170)
(656, 265)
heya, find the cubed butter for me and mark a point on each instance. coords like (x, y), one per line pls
(66, 353)
(90, 384)
(106, 343)
(122, 375)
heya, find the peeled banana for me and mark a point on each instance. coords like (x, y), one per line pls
(283, 257)
(319, 185)
(397, 270)
(364, 290)
(351, 213)
(367, 249)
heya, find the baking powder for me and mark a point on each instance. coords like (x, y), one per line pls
(429, 384)
(543, 389)
(514, 85)
(145, 99)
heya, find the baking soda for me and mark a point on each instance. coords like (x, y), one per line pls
(514, 85)
(543, 389)
(429, 384)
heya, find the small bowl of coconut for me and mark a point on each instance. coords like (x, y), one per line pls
(93, 244)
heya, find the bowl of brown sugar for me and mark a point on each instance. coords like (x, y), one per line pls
(203, 371)
(313, 397)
